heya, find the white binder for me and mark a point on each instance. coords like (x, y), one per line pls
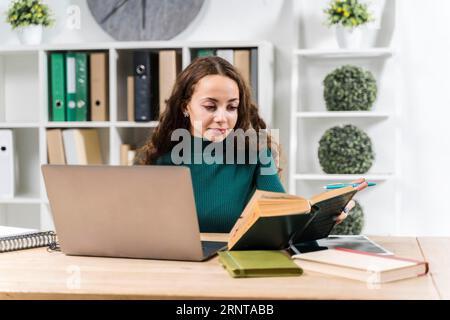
(7, 175)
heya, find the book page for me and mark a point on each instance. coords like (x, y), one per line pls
(331, 194)
(13, 231)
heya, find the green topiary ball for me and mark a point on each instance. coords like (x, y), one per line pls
(353, 224)
(345, 150)
(349, 88)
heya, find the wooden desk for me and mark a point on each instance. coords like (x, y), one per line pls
(37, 274)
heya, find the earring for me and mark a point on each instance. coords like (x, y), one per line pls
(186, 114)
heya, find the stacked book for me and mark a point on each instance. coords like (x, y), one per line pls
(74, 146)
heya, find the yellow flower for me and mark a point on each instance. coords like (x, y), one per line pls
(346, 13)
(39, 15)
(353, 20)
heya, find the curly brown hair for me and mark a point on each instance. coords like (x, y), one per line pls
(172, 118)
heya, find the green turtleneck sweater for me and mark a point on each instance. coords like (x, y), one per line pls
(222, 189)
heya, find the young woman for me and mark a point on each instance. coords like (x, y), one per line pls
(210, 100)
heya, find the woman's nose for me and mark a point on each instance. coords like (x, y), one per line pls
(220, 116)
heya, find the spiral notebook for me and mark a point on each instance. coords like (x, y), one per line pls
(12, 239)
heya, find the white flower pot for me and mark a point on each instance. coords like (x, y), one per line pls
(31, 35)
(348, 38)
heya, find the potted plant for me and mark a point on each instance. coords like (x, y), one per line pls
(345, 149)
(28, 17)
(350, 88)
(348, 16)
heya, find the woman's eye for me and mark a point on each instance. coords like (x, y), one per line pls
(209, 107)
(232, 108)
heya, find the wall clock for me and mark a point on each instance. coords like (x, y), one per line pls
(128, 20)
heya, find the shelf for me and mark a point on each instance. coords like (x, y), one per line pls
(75, 124)
(6, 125)
(21, 199)
(342, 114)
(19, 49)
(336, 177)
(129, 124)
(344, 53)
(127, 45)
(88, 124)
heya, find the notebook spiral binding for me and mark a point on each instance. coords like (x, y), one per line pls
(28, 241)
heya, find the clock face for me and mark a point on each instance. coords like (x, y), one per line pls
(128, 20)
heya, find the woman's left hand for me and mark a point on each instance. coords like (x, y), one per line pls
(362, 185)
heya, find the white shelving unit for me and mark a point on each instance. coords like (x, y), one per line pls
(24, 109)
(310, 119)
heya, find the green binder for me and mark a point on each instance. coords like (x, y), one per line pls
(258, 263)
(205, 52)
(57, 87)
(71, 87)
(81, 73)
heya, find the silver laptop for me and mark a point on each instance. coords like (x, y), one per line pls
(126, 211)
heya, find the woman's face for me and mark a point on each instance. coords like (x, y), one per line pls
(213, 107)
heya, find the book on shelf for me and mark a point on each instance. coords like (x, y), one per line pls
(55, 147)
(242, 63)
(7, 164)
(82, 146)
(127, 154)
(99, 86)
(258, 263)
(57, 87)
(363, 266)
(226, 54)
(169, 68)
(12, 238)
(146, 87)
(130, 98)
(275, 221)
(81, 87)
(71, 87)
(205, 52)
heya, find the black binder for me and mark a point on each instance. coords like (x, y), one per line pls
(146, 91)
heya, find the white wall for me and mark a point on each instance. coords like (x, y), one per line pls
(423, 42)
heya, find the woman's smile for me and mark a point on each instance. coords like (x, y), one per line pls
(217, 131)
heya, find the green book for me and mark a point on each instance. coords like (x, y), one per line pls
(71, 87)
(258, 263)
(81, 94)
(57, 87)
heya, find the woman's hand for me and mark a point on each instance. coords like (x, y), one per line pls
(362, 185)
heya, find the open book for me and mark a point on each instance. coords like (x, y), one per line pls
(275, 221)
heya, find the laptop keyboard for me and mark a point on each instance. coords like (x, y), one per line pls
(211, 247)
